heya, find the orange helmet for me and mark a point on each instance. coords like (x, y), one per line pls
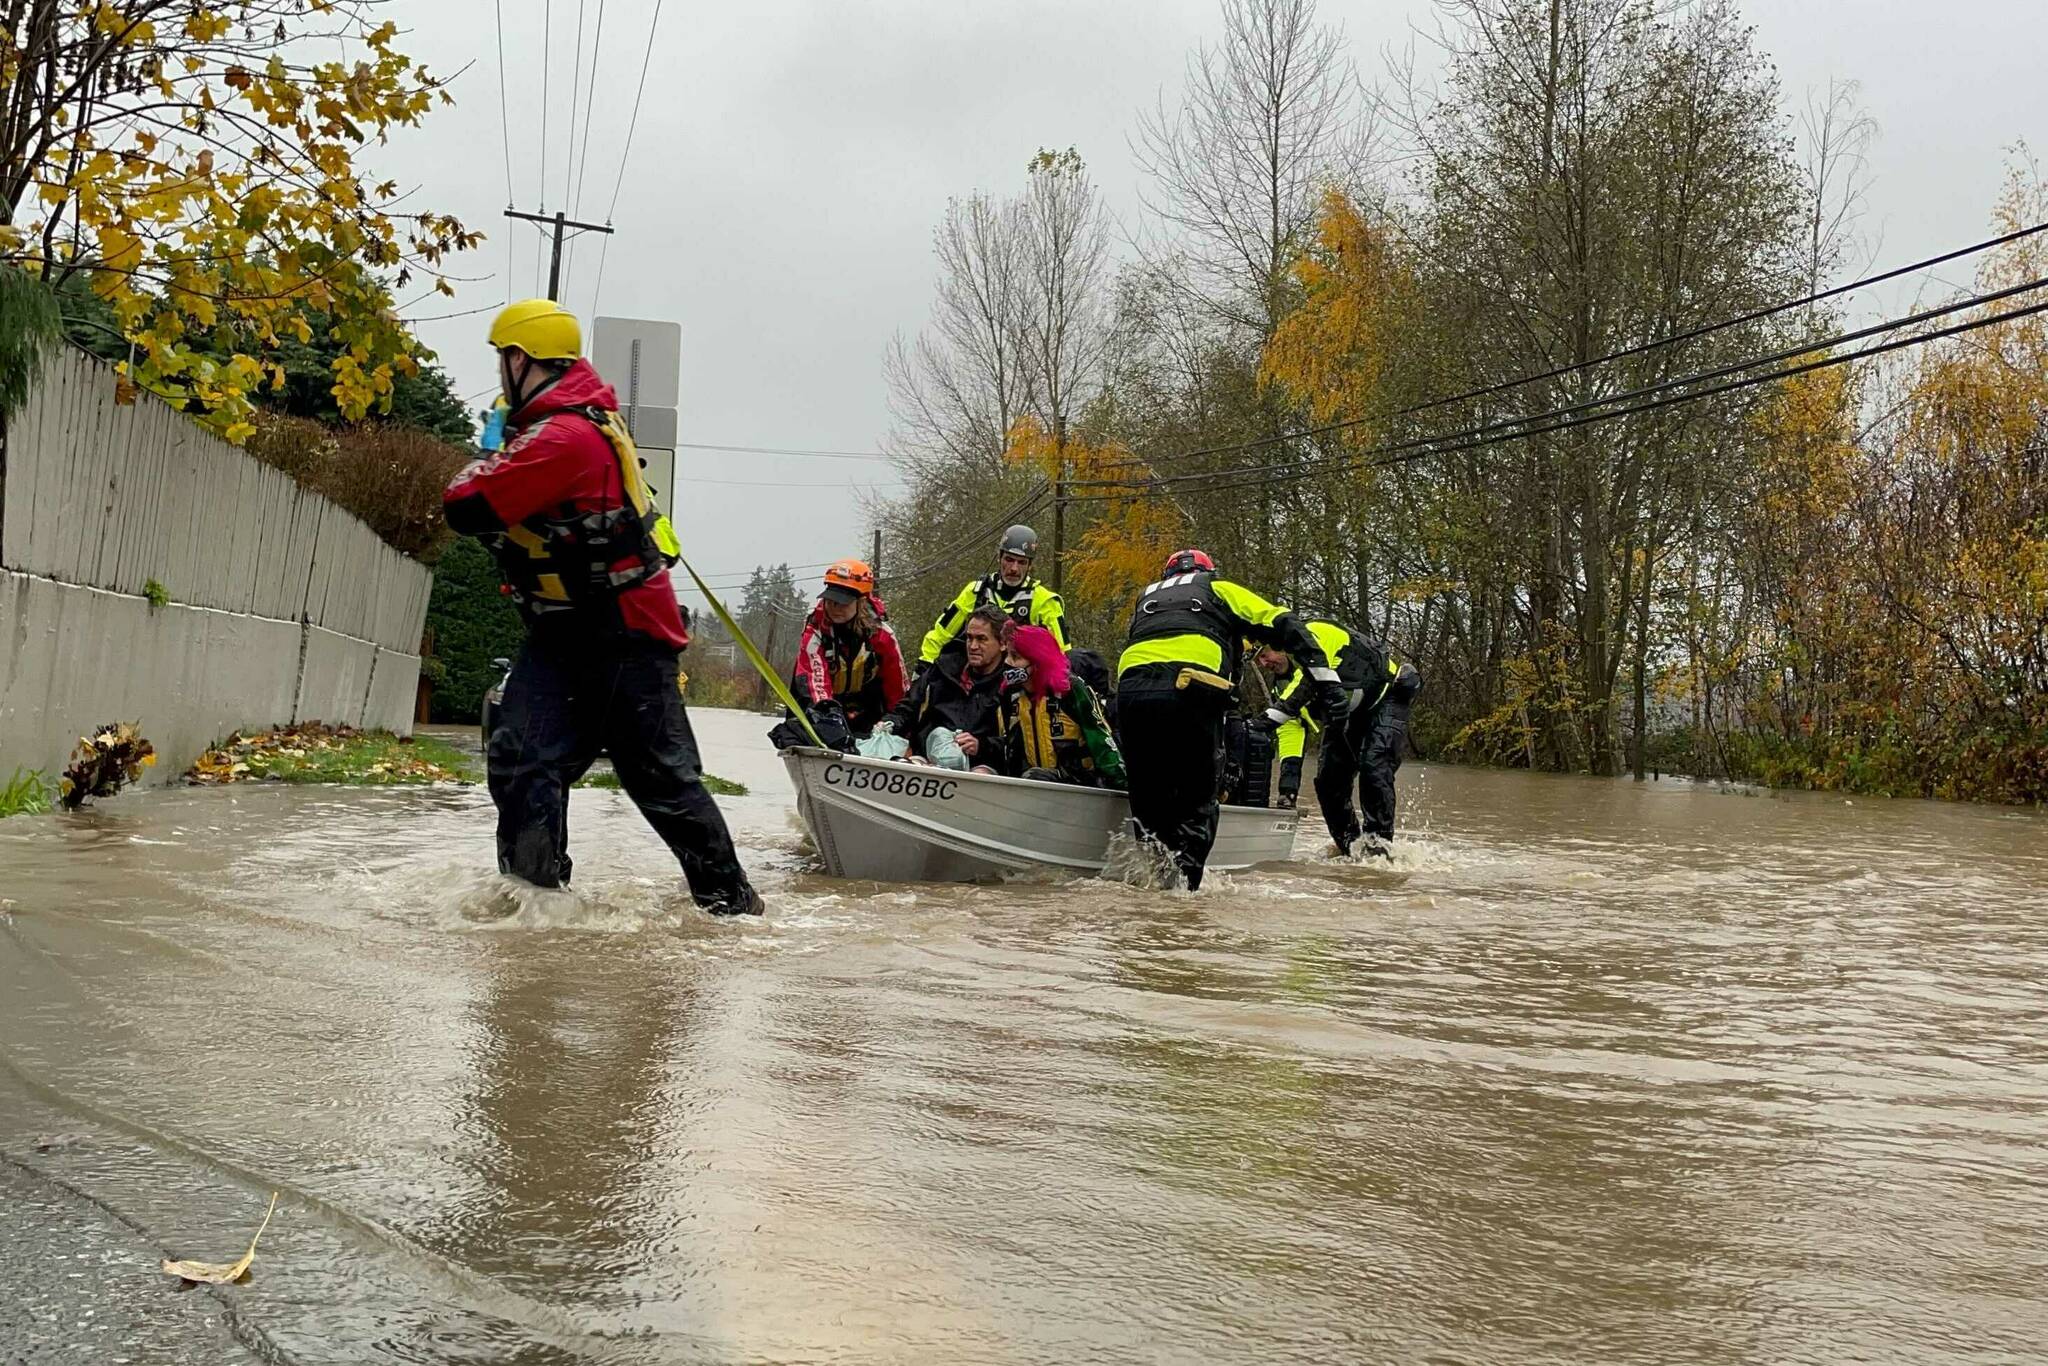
(853, 576)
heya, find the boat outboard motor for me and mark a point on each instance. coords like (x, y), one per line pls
(1256, 783)
(1247, 762)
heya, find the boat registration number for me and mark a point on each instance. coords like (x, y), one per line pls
(909, 784)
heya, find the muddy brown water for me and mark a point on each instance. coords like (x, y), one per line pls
(1599, 1072)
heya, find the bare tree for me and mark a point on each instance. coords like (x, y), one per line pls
(956, 390)
(1269, 117)
(1836, 136)
(1066, 324)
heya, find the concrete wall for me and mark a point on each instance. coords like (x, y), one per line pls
(284, 607)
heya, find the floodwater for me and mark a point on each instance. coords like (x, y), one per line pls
(1600, 1072)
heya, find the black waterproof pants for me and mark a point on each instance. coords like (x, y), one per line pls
(1365, 751)
(1173, 756)
(569, 698)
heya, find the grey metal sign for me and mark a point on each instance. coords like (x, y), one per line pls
(643, 361)
(640, 358)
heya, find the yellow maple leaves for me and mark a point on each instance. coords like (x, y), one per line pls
(230, 206)
(1330, 352)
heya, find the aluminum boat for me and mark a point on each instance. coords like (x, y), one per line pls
(888, 821)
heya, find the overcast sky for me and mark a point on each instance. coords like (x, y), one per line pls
(791, 159)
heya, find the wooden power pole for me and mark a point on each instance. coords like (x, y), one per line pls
(559, 222)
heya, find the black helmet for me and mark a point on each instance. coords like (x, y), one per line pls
(1021, 541)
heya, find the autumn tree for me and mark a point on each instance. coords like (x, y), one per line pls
(195, 161)
(1597, 176)
(1018, 331)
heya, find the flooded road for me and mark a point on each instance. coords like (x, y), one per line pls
(1602, 1072)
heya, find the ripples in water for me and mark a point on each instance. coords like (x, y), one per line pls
(1588, 1072)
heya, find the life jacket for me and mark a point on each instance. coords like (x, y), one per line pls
(1175, 613)
(576, 559)
(1044, 734)
(1015, 602)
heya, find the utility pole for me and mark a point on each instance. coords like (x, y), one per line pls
(875, 561)
(559, 221)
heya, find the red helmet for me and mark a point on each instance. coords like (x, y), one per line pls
(1190, 562)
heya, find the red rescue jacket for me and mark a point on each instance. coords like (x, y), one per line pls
(865, 675)
(556, 463)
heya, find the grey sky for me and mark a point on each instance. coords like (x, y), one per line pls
(792, 158)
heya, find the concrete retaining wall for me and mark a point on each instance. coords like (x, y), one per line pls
(69, 661)
(284, 606)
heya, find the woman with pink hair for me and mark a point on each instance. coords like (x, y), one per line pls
(1049, 724)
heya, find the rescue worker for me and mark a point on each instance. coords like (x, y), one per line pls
(849, 669)
(1363, 749)
(565, 513)
(948, 717)
(1048, 721)
(1010, 589)
(1171, 695)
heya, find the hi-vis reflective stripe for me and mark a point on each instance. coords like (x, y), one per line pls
(1393, 672)
(1189, 648)
(1174, 582)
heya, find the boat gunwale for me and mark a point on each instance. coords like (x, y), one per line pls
(1037, 785)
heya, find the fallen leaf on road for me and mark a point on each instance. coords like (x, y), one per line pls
(222, 1273)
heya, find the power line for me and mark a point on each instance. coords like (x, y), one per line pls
(575, 89)
(504, 117)
(547, 39)
(945, 558)
(780, 450)
(772, 483)
(1396, 456)
(1505, 425)
(942, 560)
(1652, 345)
(626, 152)
(583, 154)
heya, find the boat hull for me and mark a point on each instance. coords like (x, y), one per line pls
(886, 821)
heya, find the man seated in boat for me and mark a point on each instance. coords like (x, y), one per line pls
(849, 670)
(1049, 724)
(949, 715)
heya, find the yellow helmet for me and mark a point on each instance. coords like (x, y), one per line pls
(541, 328)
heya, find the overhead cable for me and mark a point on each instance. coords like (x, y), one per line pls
(504, 116)
(1506, 425)
(1468, 441)
(780, 450)
(1693, 334)
(626, 151)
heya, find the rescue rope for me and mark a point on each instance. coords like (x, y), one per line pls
(754, 655)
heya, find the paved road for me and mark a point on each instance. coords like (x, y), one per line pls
(83, 1287)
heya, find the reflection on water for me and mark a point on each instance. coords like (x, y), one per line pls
(1593, 1072)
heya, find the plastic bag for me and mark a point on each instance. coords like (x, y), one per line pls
(883, 744)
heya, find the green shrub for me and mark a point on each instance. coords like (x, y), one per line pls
(158, 595)
(30, 324)
(471, 623)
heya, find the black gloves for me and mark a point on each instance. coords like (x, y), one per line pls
(1329, 703)
(828, 718)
